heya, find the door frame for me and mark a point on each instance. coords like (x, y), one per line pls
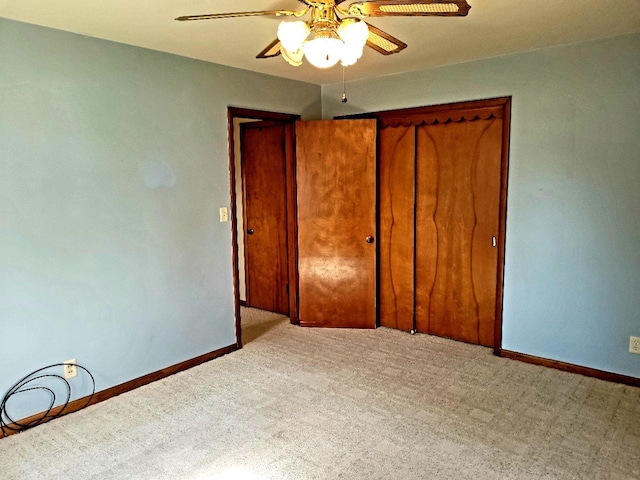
(504, 103)
(288, 120)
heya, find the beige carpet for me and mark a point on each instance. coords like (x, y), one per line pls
(299, 403)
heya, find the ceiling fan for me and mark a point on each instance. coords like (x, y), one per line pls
(335, 34)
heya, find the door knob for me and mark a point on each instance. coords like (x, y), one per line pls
(369, 239)
(493, 241)
(250, 231)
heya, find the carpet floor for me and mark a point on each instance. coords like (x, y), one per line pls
(299, 403)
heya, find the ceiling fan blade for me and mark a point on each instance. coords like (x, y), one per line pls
(331, 2)
(382, 42)
(213, 16)
(409, 8)
(272, 50)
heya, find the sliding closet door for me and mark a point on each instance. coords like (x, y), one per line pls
(336, 188)
(396, 159)
(457, 221)
(442, 194)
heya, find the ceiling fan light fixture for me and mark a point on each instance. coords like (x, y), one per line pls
(293, 34)
(336, 33)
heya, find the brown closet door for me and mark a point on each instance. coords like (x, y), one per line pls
(396, 167)
(336, 187)
(265, 216)
(457, 216)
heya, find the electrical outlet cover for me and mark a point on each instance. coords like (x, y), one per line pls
(634, 344)
(70, 369)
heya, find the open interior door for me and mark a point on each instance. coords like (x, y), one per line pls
(265, 215)
(336, 193)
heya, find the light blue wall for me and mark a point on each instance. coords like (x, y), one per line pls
(113, 165)
(572, 279)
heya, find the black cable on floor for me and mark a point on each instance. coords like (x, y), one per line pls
(26, 385)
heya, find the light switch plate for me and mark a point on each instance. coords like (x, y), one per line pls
(224, 214)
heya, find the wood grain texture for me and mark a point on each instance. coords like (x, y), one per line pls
(396, 167)
(265, 202)
(426, 227)
(487, 188)
(336, 179)
(457, 216)
(292, 220)
(570, 367)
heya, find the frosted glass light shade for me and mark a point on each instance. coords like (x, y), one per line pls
(353, 32)
(293, 34)
(323, 52)
(350, 55)
(292, 58)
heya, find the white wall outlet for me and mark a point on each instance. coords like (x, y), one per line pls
(634, 344)
(224, 214)
(70, 369)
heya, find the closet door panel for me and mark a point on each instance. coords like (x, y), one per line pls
(446, 220)
(428, 173)
(457, 217)
(487, 209)
(396, 226)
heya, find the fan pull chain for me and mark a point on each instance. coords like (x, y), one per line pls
(344, 87)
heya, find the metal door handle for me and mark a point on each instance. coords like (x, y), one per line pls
(250, 231)
(493, 242)
(369, 239)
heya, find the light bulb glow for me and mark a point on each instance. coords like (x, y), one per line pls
(293, 34)
(323, 52)
(350, 55)
(353, 32)
(341, 41)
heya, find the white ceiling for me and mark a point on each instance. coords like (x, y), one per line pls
(492, 28)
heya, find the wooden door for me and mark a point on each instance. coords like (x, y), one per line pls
(265, 216)
(442, 195)
(457, 224)
(336, 191)
(396, 183)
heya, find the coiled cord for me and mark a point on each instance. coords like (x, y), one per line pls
(27, 385)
